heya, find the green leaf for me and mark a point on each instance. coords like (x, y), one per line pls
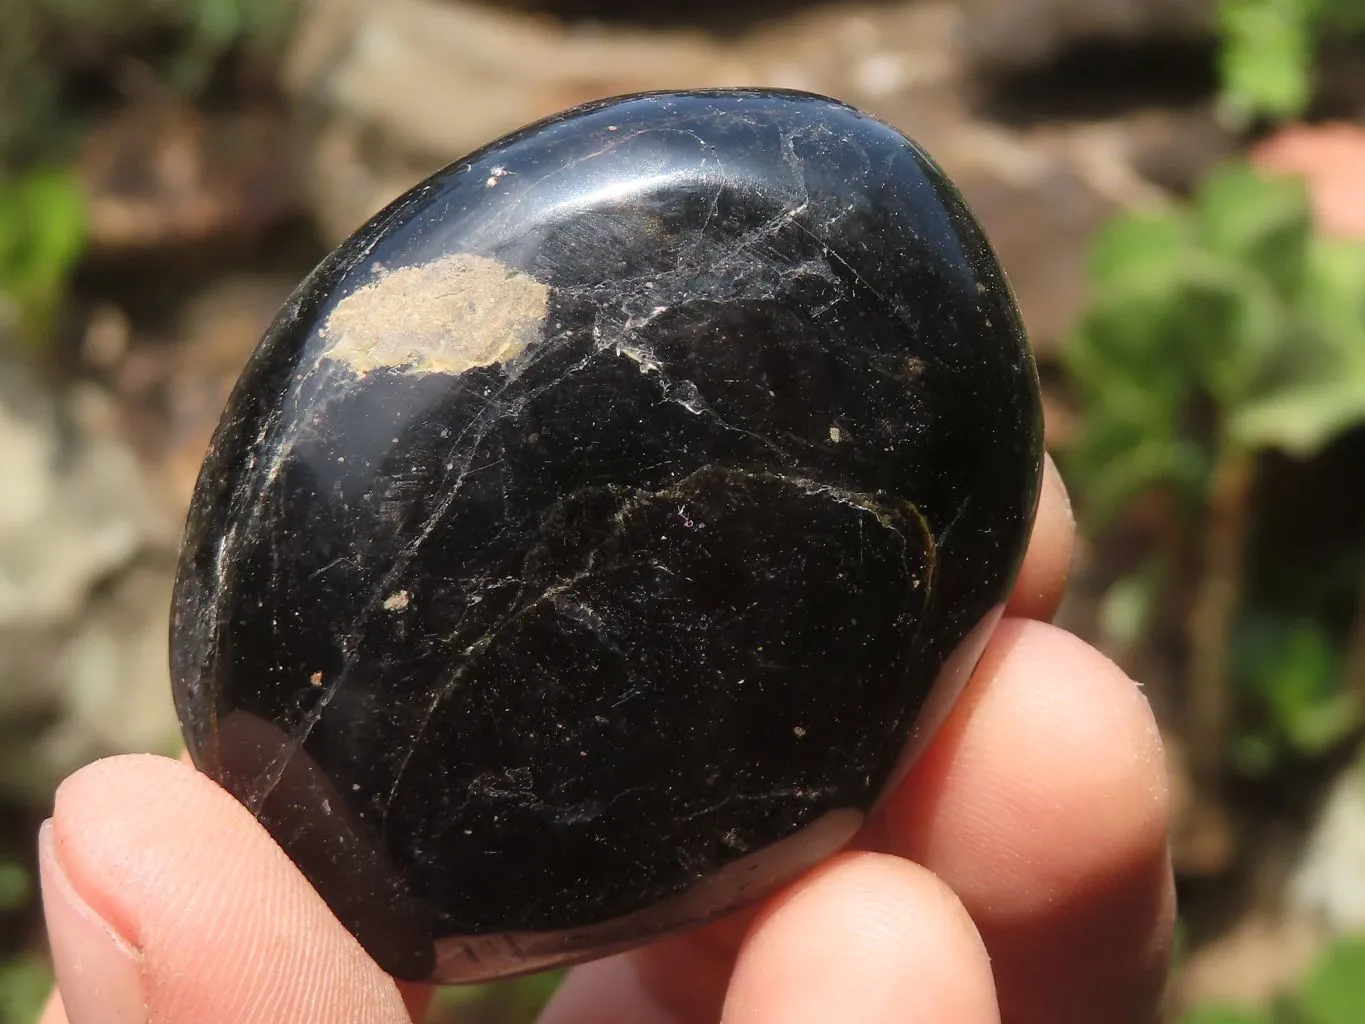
(1325, 724)
(1261, 221)
(1334, 296)
(1120, 455)
(1135, 463)
(55, 201)
(1335, 992)
(1125, 349)
(1128, 604)
(15, 885)
(1321, 385)
(1293, 669)
(518, 999)
(1228, 327)
(1301, 421)
(1137, 245)
(42, 237)
(24, 988)
(1266, 58)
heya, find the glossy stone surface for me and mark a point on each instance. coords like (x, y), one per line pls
(599, 531)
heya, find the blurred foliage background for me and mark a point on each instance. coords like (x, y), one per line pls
(1177, 188)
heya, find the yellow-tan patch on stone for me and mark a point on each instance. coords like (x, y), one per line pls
(445, 316)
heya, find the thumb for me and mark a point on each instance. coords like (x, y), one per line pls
(100, 972)
(167, 903)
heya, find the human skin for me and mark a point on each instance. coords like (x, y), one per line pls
(1020, 873)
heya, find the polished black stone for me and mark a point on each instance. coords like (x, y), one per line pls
(582, 547)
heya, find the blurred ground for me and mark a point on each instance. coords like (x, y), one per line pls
(1051, 115)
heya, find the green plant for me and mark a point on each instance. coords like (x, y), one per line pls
(24, 986)
(1333, 993)
(42, 236)
(15, 885)
(180, 42)
(506, 1002)
(1268, 50)
(1290, 668)
(1219, 330)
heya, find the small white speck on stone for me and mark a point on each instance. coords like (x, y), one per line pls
(397, 601)
(316, 679)
(799, 732)
(836, 435)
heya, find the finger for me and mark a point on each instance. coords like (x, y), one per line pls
(863, 938)
(167, 903)
(1043, 804)
(866, 938)
(54, 1012)
(677, 981)
(1042, 577)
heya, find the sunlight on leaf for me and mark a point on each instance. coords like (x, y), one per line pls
(1303, 420)
(42, 236)
(1128, 604)
(1266, 61)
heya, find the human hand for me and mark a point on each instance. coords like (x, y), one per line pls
(1020, 873)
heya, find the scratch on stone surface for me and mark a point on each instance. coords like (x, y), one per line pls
(831, 254)
(556, 593)
(810, 793)
(417, 735)
(957, 518)
(280, 762)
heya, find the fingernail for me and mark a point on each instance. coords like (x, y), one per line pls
(98, 973)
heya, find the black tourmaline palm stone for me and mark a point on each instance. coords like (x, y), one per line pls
(581, 549)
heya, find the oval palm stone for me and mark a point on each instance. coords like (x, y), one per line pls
(600, 531)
